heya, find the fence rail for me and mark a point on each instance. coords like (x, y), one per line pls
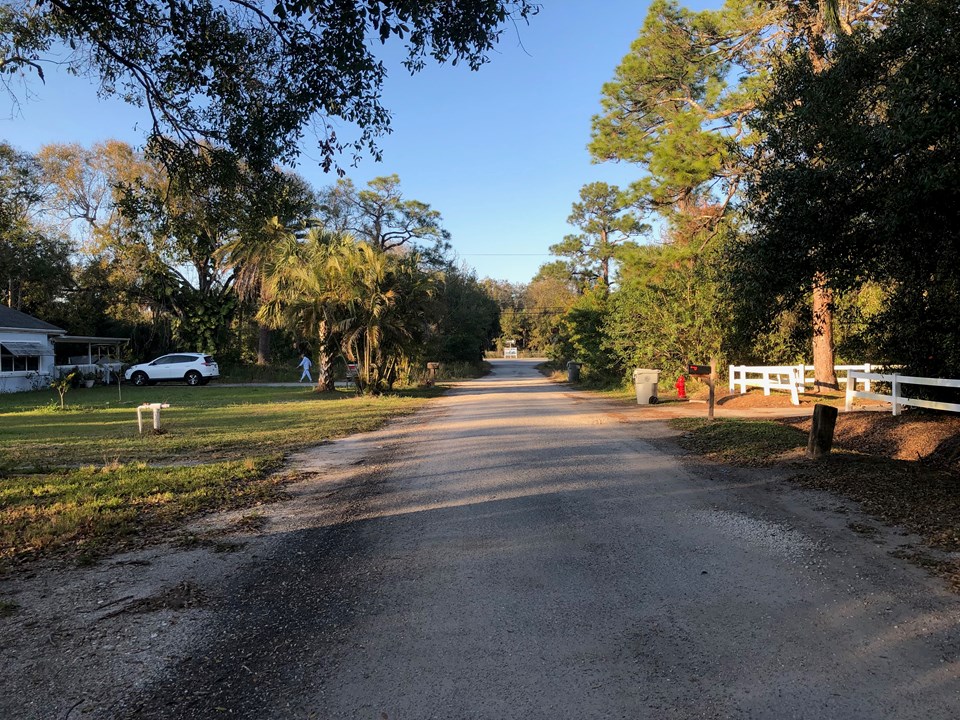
(793, 378)
(106, 371)
(896, 398)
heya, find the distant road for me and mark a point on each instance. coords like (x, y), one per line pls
(523, 553)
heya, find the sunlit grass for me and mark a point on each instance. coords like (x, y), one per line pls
(87, 507)
(85, 479)
(201, 423)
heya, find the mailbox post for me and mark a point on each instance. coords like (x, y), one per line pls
(353, 373)
(708, 371)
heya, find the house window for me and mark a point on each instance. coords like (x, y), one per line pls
(20, 356)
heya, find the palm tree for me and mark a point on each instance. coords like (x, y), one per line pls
(247, 254)
(303, 290)
(248, 259)
(366, 301)
(385, 311)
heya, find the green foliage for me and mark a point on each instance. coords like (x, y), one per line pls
(380, 216)
(372, 306)
(680, 106)
(858, 178)
(250, 76)
(467, 322)
(186, 237)
(667, 312)
(545, 302)
(387, 314)
(671, 109)
(62, 384)
(585, 323)
(606, 226)
(202, 321)
(34, 259)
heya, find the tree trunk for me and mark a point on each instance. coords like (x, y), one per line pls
(263, 340)
(263, 345)
(324, 360)
(824, 374)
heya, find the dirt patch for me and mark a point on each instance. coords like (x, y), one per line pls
(904, 470)
(923, 499)
(928, 437)
(182, 596)
(756, 399)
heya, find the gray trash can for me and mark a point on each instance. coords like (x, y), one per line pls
(645, 382)
(573, 371)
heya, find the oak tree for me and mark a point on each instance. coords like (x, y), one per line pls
(248, 75)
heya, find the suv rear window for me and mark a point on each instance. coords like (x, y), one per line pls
(208, 359)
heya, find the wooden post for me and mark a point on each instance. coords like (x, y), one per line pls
(821, 431)
(711, 383)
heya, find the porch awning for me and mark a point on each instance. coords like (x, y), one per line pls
(25, 349)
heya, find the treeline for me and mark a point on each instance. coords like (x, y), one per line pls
(207, 254)
(797, 197)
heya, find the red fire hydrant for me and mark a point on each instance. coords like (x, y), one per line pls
(681, 387)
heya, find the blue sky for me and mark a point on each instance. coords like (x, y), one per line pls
(501, 153)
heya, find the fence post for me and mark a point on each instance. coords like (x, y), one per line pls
(851, 387)
(730, 383)
(867, 368)
(895, 390)
(743, 379)
(794, 382)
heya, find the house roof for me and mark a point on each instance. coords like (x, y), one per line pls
(89, 340)
(11, 319)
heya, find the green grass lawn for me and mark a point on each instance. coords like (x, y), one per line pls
(84, 478)
(741, 442)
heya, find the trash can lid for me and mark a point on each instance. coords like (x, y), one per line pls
(644, 371)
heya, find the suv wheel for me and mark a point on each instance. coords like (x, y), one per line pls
(140, 379)
(193, 378)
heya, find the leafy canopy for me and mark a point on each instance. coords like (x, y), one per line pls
(248, 75)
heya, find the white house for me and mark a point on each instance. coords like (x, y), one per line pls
(26, 351)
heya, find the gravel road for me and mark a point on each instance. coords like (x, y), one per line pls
(520, 552)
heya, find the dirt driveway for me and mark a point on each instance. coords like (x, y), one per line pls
(515, 551)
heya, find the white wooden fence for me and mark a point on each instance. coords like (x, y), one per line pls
(896, 398)
(793, 378)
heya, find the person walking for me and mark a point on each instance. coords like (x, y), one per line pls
(306, 365)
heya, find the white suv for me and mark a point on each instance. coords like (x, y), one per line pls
(192, 368)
